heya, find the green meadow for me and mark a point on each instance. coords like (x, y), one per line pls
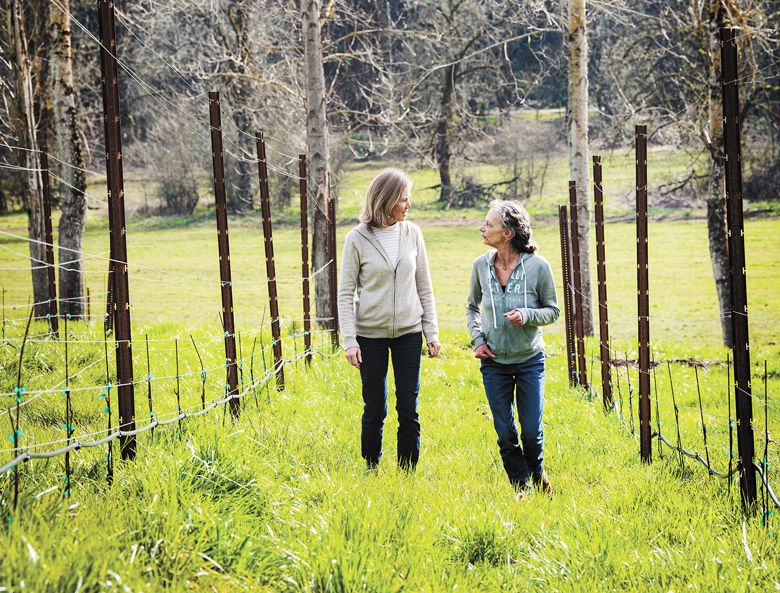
(280, 501)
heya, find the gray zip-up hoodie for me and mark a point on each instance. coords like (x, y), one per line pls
(377, 300)
(530, 289)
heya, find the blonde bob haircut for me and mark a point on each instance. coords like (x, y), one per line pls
(385, 191)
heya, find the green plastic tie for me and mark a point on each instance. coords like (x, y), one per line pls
(16, 435)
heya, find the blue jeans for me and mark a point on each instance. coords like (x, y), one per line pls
(406, 352)
(521, 384)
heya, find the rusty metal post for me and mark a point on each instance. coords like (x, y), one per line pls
(563, 226)
(302, 174)
(270, 265)
(643, 295)
(736, 238)
(582, 376)
(49, 238)
(225, 279)
(332, 280)
(116, 200)
(601, 259)
(108, 322)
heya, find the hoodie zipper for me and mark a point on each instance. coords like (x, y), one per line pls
(372, 240)
(494, 279)
(395, 278)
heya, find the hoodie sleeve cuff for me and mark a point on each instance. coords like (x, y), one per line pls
(478, 341)
(350, 343)
(526, 313)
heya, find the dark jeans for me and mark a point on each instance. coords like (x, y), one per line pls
(521, 384)
(406, 352)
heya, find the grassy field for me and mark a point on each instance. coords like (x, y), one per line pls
(666, 165)
(280, 501)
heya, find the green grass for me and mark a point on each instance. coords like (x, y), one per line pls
(280, 501)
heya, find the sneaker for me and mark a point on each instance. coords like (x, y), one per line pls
(521, 495)
(543, 483)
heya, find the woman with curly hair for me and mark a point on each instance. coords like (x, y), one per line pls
(511, 295)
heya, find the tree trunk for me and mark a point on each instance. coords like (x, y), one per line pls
(68, 145)
(241, 196)
(716, 195)
(317, 140)
(578, 143)
(442, 151)
(34, 183)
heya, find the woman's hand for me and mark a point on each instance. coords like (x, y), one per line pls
(354, 357)
(433, 349)
(484, 351)
(514, 317)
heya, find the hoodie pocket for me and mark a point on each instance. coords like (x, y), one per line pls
(519, 341)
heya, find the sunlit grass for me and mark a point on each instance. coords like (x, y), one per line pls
(280, 501)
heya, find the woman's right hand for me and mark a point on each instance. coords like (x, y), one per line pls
(354, 357)
(484, 351)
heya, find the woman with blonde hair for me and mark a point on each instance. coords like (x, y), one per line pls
(386, 305)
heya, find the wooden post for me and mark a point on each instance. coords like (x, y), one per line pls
(643, 296)
(225, 280)
(563, 224)
(302, 174)
(604, 353)
(270, 265)
(579, 326)
(736, 238)
(116, 201)
(49, 238)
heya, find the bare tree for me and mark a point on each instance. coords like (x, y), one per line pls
(27, 129)
(677, 80)
(462, 68)
(69, 150)
(317, 140)
(577, 122)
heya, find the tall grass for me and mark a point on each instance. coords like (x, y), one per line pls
(280, 501)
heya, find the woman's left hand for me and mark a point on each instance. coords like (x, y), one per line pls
(514, 317)
(433, 349)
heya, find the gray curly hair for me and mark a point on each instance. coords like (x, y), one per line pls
(516, 218)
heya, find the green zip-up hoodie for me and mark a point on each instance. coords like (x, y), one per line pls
(377, 300)
(530, 290)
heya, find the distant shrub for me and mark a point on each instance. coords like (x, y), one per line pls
(178, 193)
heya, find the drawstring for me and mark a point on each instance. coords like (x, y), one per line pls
(492, 302)
(491, 281)
(525, 284)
